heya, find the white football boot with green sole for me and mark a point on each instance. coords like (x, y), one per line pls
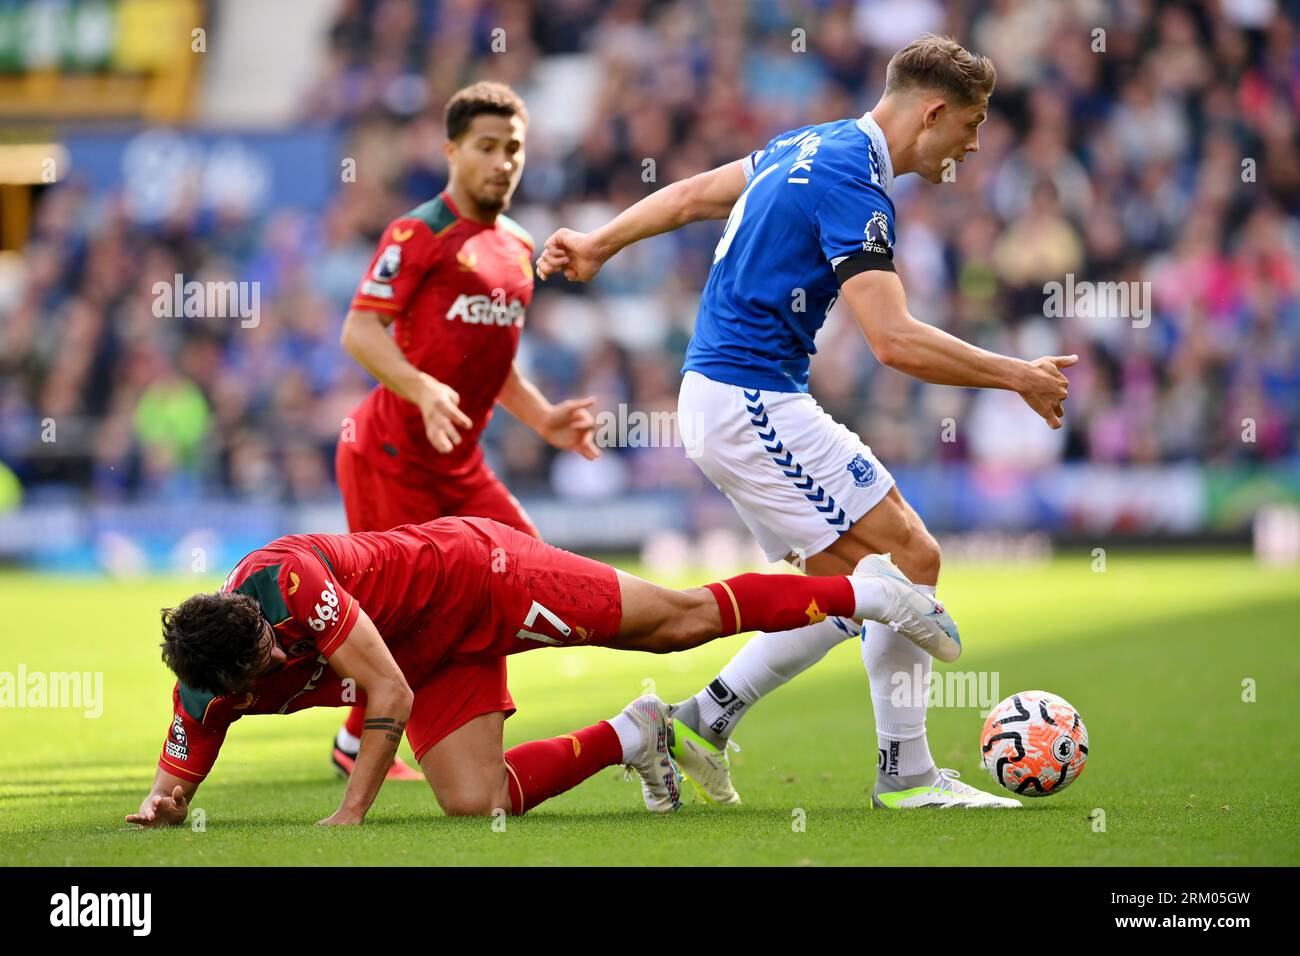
(946, 792)
(704, 765)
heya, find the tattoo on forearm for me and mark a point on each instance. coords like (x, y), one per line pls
(391, 726)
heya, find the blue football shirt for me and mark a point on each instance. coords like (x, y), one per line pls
(815, 211)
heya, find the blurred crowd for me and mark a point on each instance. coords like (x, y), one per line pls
(1136, 142)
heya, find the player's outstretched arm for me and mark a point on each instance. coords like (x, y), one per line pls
(365, 337)
(168, 802)
(932, 355)
(365, 658)
(568, 425)
(708, 195)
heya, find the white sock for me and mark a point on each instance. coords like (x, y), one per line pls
(871, 600)
(346, 742)
(629, 735)
(767, 661)
(899, 672)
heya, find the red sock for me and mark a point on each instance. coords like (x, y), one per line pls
(541, 769)
(356, 720)
(780, 602)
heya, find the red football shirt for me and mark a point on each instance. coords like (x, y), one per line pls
(457, 290)
(421, 585)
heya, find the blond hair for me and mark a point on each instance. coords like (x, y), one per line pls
(942, 64)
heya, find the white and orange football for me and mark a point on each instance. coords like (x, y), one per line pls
(1034, 744)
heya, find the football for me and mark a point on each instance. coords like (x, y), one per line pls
(1034, 744)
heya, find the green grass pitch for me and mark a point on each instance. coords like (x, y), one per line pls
(1153, 651)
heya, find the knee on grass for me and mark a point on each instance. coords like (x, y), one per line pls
(471, 805)
(474, 800)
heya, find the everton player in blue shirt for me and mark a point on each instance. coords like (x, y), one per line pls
(809, 219)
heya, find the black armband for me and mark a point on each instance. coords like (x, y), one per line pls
(861, 262)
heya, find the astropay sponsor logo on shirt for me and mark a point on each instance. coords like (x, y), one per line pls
(77, 909)
(487, 310)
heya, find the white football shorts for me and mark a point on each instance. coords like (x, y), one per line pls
(798, 478)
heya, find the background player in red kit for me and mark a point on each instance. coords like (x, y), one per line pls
(453, 278)
(412, 623)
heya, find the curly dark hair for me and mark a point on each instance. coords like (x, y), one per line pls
(212, 642)
(493, 99)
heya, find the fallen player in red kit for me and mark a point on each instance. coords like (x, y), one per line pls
(415, 623)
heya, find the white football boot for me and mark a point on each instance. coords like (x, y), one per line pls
(944, 793)
(659, 777)
(913, 613)
(704, 765)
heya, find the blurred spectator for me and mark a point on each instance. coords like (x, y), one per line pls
(1170, 157)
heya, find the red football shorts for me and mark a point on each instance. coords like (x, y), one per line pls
(453, 696)
(526, 594)
(376, 500)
